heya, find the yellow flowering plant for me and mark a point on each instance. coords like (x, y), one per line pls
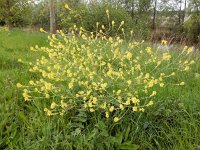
(4, 28)
(96, 72)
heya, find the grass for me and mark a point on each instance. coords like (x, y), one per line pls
(173, 122)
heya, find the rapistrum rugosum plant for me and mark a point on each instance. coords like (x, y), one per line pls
(103, 73)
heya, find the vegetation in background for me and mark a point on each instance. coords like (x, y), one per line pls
(192, 28)
(88, 18)
(15, 13)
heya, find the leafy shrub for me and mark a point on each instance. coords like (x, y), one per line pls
(101, 74)
(141, 27)
(69, 17)
(116, 14)
(88, 17)
(192, 28)
(41, 11)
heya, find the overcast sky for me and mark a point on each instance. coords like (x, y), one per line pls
(171, 3)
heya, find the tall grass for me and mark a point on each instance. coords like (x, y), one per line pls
(172, 123)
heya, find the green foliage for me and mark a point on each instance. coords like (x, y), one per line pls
(87, 17)
(192, 28)
(40, 10)
(76, 15)
(97, 13)
(141, 26)
(15, 12)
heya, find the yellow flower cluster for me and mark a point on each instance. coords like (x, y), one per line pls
(4, 28)
(97, 72)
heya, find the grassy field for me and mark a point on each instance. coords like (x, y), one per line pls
(172, 123)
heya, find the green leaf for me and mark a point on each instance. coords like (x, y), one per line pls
(127, 133)
(128, 146)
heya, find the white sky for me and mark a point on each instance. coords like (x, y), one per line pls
(172, 3)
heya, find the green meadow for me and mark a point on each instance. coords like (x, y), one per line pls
(173, 122)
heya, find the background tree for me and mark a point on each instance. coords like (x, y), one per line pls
(154, 14)
(42, 12)
(52, 16)
(15, 12)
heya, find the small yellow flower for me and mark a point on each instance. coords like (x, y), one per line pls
(162, 84)
(94, 101)
(48, 86)
(47, 95)
(151, 83)
(186, 68)
(135, 108)
(91, 110)
(135, 100)
(116, 119)
(158, 63)
(150, 103)
(113, 22)
(122, 23)
(192, 62)
(160, 78)
(121, 107)
(97, 24)
(162, 74)
(110, 39)
(166, 56)
(31, 82)
(118, 92)
(104, 85)
(107, 114)
(26, 96)
(49, 113)
(67, 7)
(148, 49)
(70, 85)
(90, 104)
(63, 104)
(141, 109)
(53, 105)
(164, 42)
(182, 83)
(153, 94)
(189, 50)
(147, 75)
(19, 60)
(129, 82)
(112, 108)
(186, 62)
(42, 30)
(107, 11)
(128, 102)
(129, 56)
(131, 32)
(173, 73)
(19, 85)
